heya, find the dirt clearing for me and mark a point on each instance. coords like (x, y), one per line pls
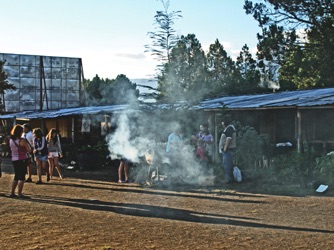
(90, 211)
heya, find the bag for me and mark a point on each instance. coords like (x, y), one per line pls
(237, 174)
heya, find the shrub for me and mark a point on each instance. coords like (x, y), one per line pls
(250, 147)
(325, 169)
(294, 166)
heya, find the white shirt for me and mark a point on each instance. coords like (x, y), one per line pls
(30, 138)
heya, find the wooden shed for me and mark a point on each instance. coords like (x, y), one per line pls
(291, 116)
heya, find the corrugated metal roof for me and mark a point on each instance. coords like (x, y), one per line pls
(91, 110)
(94, 110)
(300, 98)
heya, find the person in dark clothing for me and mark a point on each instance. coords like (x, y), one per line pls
(41, 154)
(227, 146)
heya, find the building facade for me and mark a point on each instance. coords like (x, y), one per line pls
(42, 82)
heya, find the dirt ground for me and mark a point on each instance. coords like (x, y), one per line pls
(89, 210)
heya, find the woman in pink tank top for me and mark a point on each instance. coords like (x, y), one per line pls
(19, 148)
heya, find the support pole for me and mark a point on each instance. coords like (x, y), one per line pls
(299, 131)
(41, 81)
(216, 139)
(41, 74)
(72, 129)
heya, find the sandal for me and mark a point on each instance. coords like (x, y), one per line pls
(23, 197)
(28, 180)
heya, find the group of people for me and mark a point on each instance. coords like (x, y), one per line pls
(29, 146)
(204, 149)
(202, 141)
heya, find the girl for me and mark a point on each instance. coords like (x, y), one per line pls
(55, 152)
(41, 154)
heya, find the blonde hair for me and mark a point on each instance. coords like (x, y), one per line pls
(49, 135)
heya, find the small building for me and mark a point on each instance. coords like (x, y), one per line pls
(290, 116)
(71, 122)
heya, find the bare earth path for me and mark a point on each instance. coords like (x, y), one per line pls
(81, 213)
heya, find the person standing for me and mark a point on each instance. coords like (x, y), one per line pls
(174, 142)
(54, 148)
(174, 148)
(41, 154)
(123, 168)
(201, 153)
(207, 138)
(28, 135)
(19, 148)
(227, 146)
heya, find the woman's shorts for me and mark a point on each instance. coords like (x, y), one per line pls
(20, 169)
(42, 157)
(53, 154)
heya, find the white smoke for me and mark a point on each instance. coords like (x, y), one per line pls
(138, 133)
(126, 142)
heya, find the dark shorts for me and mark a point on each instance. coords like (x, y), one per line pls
(20, 169)
(125, 160)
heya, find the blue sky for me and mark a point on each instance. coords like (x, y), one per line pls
(110, 35)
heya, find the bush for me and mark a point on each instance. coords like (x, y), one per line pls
(287, 166)
(250, 147)
(294, 166)
(325, 169)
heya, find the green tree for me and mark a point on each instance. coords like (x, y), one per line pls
(4, 84)
(298, 71)
(310, 53)
(221, 70)
(93, 90)
(111, 91)
(123, 91)
(165, 37)
(184, 77)
(249, 72)
(273, 45)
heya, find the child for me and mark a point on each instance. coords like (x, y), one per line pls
(200, 153)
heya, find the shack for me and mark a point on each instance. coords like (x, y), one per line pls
(290, 116)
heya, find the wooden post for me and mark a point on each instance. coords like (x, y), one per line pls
(299, 131)
(72, 129)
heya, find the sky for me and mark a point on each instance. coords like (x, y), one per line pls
(110, 35)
